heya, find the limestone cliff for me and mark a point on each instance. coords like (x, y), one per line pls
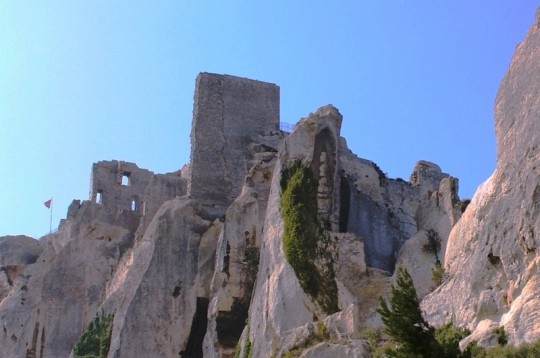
(492, 253)
(196, 262)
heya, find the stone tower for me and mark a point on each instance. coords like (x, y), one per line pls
(229, 113)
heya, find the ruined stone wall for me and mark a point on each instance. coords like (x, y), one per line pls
(119, 185)
(162, 187)
(229, 112)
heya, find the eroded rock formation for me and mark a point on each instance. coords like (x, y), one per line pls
(183, 260)
(492, 253)
(193, 263)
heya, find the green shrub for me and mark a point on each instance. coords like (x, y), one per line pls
(448, 338)
(96, 339)
(500, 333)
(305, 243)
(464, 203)
(322, 331)
(248, 350)
(374, 337)
(525, 351)
(251, 261)
(433, 243)
(437, 274)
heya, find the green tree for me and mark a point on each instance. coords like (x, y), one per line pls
(448, 338)
(403, 321)
(96, 339)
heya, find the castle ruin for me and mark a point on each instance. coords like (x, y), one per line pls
(228, 114)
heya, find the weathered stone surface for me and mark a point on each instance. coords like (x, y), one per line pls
(386, 213)
(352, 349)
(154, 294)
(278, 293)
(229, 112)
(54, 299)
(160, 188)
(491, 257)
(237, 261)
(179, 272)
(437, 214)
(16, 252)
(119, 185)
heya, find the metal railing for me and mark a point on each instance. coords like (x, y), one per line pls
(286, 127)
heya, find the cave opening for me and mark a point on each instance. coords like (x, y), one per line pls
(230, 324)
(194, 346)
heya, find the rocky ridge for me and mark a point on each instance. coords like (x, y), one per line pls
(186, 275)
(492, 253)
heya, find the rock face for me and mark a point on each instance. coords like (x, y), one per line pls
(172, 261)
(193, 263)
(16, 252)
(57, 295)
(492, 253)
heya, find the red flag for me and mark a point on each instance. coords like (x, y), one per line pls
(48, 203)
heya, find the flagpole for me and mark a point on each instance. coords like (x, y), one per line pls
(50, 222)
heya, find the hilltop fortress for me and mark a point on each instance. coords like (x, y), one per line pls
(137, 225)
(195, 263)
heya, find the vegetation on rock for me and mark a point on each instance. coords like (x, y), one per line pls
(433, 244)
(319, 335)
(437, 274)
(96, 339)
(403, 321)
(500, 333)
(305, 243)
(247, 350)
(448, 338)
(251, 261)
(411, 336)
(463, 204)
(525, 351)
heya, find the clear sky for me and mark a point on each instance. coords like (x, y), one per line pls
(83, 81)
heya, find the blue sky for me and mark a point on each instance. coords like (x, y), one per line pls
(83, 81)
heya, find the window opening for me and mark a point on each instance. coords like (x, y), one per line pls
(126, 179)
(134, 205)
(99, 197)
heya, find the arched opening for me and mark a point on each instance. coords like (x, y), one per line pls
(134, 204)
(323, 166)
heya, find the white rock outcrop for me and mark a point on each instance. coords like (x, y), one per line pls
(492, 253)
(197, 269)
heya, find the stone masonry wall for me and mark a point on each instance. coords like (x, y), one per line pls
(119, 185)
(229, 112)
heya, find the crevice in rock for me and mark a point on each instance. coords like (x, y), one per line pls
(230, 324)
(42, 341)
(194, 344)
(227, 259)
(31, 352)
(345, 202)
(494, 260)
